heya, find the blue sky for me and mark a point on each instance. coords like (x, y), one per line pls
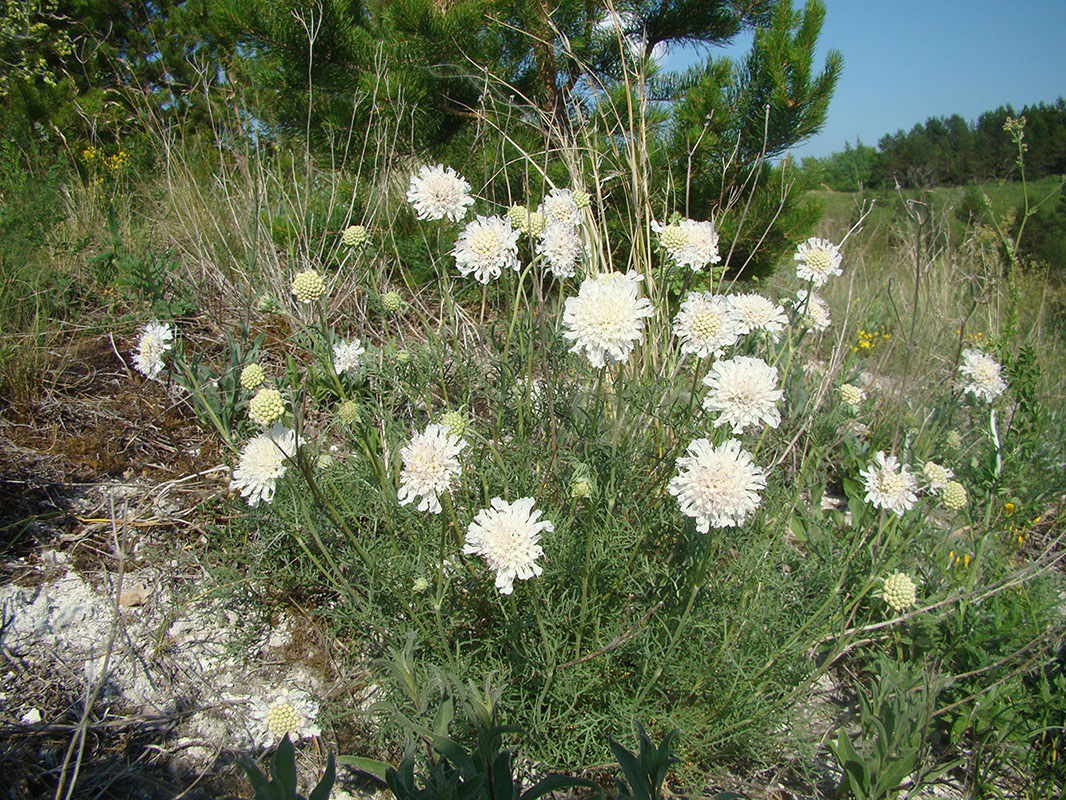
(907, 60)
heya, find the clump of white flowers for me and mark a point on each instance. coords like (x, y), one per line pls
(705, 324)
(689, 243)
(439, 192)
(486, 247)
(154, 342)
(288, 713)
(754, 313)
(262, 464)
(899, 592)
(430, 467)
(606, 319)
(814, 309)
(718, 486)
(889, 485)
(561, 247)
(984, 372)
(819, 259)
(266, 407)
(560, 207)
(743, 391)
(347, 356)
(507, 536)
(308, 286)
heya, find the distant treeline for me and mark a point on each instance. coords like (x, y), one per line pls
(948, 151)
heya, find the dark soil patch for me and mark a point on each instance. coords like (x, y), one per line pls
(94, 421)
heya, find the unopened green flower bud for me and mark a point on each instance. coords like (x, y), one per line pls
(954, 496)
(252, 377)
(581, 484)
(899, 592)
(355, 236)
(267, 304)
(519, 217)
(673, 238)
(308, 286)
(455, 422)
(851, 395)
(535, 225)
(348, 412)
(392, 302)
(266, 407)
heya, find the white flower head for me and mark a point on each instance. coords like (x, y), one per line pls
(262, 463)
(287, 712)
(984, 372)
(753, 312)
(507, 536)
(718, 486)
(560, 207)
(814, 309)
(430, 467)
(819, 259)
(606, 319)
(889, 485)
(689, 243)
(744, 392)
(705, 325)
(155, 340)
(439, 192)
(347, 356)
(561, 247)
(486, 247)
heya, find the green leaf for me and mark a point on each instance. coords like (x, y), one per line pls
(369, 765)
(638, 783)
(283, 768)
(325, 783)
(554, 783)
(451, 750)
(263, 788)
(502, 779)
